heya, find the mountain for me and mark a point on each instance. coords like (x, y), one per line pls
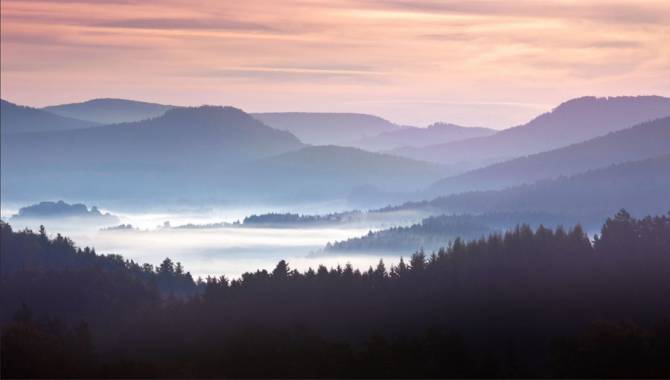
(640, 187)
(48, 211)
(642, 141)
(110, 111)
(19, 119)
(315, 172)
(438, 133)
(213, 153)
(571, 122)
(326, 128)
(165, 155)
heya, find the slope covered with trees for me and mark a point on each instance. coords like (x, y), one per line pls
(439, 231)
(438, 133)
(640, 186)
(179, 152)
(21, 119)
(110, 111)
(526, 303)
(326, 128)
(642, 141)
(571, 122)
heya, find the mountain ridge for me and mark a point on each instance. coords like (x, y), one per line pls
(16, 118)
(110, 110)
(641, 141)
(571, 122)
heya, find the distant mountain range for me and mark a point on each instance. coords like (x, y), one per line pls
(212, 154)
(21, 119)
(110, 111)
(310, 127)
(332, 171)
(186, 137)
(632, 144)
(571, 122)
(641, 187)
(438, 133)
(327, 128)
(196, 153)
(145, 159)
(363, 131)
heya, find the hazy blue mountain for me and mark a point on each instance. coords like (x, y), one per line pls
(164, 155)
(326, 128)
(571, 122)
(645, 140)
(45, 211)
(438, 133)
(205, 153)
(19, 119)
(315, 172)
(640, 187)
(110, 111)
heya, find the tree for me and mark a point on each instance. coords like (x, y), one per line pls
(281, 271)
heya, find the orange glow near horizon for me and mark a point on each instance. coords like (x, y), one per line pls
(491, 63)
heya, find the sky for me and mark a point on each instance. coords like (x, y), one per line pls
(486, 63)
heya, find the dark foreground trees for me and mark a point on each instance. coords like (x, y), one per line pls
(541, 303)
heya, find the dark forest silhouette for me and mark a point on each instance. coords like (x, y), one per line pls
(530, 302)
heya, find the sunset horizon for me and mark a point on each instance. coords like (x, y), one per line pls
(482, 63)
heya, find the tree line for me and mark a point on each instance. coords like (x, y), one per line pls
(529, 302)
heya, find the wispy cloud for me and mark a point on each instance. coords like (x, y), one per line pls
(391, 56)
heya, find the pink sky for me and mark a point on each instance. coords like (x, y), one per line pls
(491, 63)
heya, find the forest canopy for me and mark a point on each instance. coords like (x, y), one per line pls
(526, 302)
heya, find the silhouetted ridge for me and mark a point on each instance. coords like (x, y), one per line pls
(224, 116)
(20, 119)
(642, 141)
(110, 110)
(574, 121)
(184, 147)
(326, 128)
(417, 137)
(640, 186)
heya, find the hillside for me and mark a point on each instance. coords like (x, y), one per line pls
(642, 141)
(110, 111)
(639, 186)
(438, 133)
(539, 303)
(326, 128)
(574, 121)
(62, 211)
(213, 153)
(435, 232)
(19, 119)
(319, 171)
(170, 154)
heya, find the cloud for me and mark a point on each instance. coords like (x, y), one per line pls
(656, 12)
(279, 73)
(317, 54)
(186, 23)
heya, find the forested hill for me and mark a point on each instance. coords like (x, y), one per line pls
(439, 231)
(21, 119)
(646, 140)
(526, 303)
(639, 186)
